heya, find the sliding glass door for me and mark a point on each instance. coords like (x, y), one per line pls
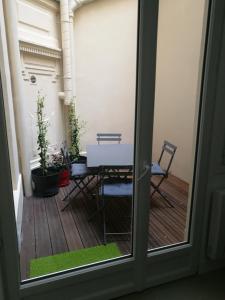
(181, 45)
(126, 220)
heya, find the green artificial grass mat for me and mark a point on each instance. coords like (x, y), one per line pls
(63, 261)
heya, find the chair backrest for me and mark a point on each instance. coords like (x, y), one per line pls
(170, 149)
(108, 137)
(116, 173)
(116, 181)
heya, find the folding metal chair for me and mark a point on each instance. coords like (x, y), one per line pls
(168, 150)
(80, 175)
(115, 182)
(108, 137)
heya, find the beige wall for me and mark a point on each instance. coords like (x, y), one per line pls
(105, 52)
(177, 85)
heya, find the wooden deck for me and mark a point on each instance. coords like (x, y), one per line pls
(46, 230)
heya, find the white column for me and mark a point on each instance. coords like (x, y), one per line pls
(73, 62)
(8, 102)
(66, 47)
(74, 5)
(10, 13)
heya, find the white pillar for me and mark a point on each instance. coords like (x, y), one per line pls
(10, 12)
(73, 62)
(8, 102)
(66, 47)
(73, 6)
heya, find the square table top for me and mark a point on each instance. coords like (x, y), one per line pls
(110, 155)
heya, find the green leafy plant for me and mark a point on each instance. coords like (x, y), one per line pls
(60, 161)
(57, 160)
(75, 127)
(42, 126)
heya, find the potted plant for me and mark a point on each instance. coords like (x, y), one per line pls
(62, 165)
(44, 178)
(75, 127)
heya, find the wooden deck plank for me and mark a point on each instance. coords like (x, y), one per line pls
(71, 231)
(170, 227)
(28, 237)
(42, 235)
(48, 230)
(80, 216)
(56, 232)
(159, 231)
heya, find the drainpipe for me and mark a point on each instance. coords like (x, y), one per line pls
(66, 47)
(73, 62)
(67, 8)
(75, 4)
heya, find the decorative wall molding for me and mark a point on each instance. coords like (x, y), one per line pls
(52, 5)
(40, 50)
(34, 163)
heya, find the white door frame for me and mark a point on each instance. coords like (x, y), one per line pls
(179, 261)
(121, 276)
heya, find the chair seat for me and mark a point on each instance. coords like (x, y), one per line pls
(156, 169)
(79, 170)
(118, 189)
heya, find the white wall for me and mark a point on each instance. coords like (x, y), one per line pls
(105, 34)
(40, 45)
(39, 22)
(177, 85)
(47, 73)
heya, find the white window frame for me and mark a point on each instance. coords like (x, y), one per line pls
(119, 277)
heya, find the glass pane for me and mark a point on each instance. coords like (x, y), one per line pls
(180, 50)
(78, 80)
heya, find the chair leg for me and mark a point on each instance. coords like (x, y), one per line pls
(98, 210)
(67, 196)
(156, 189)
(81, 185)
(78, 192)
(89, 190)
(104, 226)
(164, 197)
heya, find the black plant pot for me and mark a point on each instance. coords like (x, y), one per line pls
(45, 185)
(79, 160)
(82, 159)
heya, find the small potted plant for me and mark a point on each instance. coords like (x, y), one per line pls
(61, 164)
(75, 128)
(44, 178)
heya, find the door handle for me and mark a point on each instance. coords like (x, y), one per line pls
(146, 170)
